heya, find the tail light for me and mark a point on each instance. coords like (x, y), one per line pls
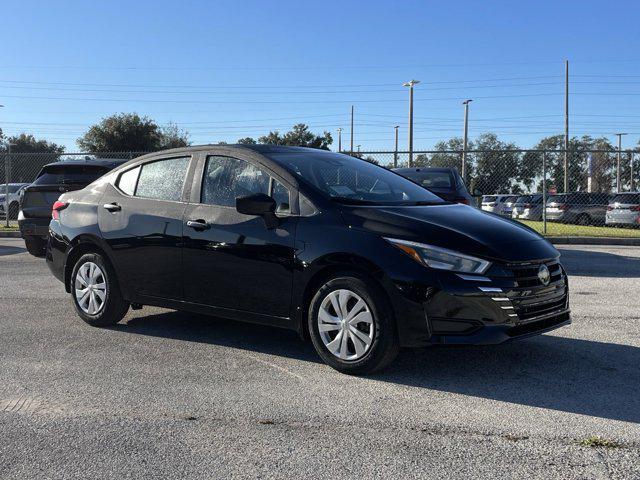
(464, 201)
(564, 206)
(635, 208)
(528, 205)
(57, 207)
(609, 208)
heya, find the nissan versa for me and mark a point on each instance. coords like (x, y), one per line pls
(349, 254)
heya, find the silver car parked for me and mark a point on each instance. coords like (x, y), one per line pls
(528, 207)
(497, 204)
(624, 209)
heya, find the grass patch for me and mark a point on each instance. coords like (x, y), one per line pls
(11, 228)
(568, 230)
(595, 441)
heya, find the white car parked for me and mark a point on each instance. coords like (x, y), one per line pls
(14, 199)
(498, 204)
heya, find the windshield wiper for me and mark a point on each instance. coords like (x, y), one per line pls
(353, 201)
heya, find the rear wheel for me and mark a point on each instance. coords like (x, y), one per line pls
(35, 245)
(584, 219)
(95, 292)
(351, 326)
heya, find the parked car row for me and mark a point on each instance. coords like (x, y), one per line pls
(579, 208)
(12, 202)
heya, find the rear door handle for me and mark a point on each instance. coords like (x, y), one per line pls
(198, 224)
(112, 207)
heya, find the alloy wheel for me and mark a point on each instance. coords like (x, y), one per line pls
(346, 325)
(91, 288)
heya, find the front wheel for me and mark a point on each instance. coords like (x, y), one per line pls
(95, 292)
(351, 326)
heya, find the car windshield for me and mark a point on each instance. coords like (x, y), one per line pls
(629, 198)
(354, 181)
(524, 199)
(64, 174)
(12, 188)
(488, 199)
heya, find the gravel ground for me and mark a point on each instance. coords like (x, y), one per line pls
(173, 395)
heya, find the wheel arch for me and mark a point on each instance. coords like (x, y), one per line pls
(80, 246)
(334, 266)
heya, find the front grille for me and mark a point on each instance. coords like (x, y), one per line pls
(533, 327)
(527, 275)
(529, 297)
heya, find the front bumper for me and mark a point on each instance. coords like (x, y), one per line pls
(508, 303)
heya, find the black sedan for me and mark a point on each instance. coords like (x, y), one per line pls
(349, 254)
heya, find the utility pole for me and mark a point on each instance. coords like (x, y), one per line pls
(339, 139)
(351, 147)
(7, 173)
(464, 140)
(395, 151)
(618, 183)
(410, 84)
(632, 180)
(566, 126)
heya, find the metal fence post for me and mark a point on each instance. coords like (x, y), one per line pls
(544, 193)
(7, 172)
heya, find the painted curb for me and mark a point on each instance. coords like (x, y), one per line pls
(594, 241)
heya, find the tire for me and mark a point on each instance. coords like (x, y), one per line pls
(583, 219)
(36, 246)
(13, 211)
(383, 344)
(107, 307)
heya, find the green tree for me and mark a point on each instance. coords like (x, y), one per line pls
(496, 166)
(298, 136)
(27, 143)
(128, 132)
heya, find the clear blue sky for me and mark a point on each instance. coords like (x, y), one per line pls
(228, 69)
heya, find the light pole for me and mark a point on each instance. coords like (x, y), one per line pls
(410, 84)
(464, 140)
(395, 152)
(339, 139)
(618, 184)
(351, 147)
(358, 147)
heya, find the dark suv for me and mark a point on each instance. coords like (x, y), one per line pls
(349, 254)
(53, 180)
(444, 182)
(580, 208)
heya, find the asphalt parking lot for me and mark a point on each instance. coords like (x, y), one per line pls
(173, 395)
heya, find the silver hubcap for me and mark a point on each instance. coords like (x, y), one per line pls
(346, 325)
(91, 288)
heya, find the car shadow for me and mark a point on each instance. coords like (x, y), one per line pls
(571, 375)
(589, 263)
(9, 250)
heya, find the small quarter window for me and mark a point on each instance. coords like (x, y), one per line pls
(128, 180)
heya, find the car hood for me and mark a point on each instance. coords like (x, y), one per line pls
(456, 227)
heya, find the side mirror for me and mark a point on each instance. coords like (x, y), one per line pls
(477, 192)
(260, 205)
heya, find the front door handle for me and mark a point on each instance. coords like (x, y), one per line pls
(198, 225)
(112, 207)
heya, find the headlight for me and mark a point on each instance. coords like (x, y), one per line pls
(441, 258)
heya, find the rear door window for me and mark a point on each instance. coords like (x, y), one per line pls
(162, 179)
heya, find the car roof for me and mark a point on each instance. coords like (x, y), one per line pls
(99, 162)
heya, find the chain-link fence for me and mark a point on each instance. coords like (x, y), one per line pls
(21, 169)
(601, 198)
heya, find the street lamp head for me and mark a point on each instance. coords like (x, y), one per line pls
(411, 83)
(468, 101)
